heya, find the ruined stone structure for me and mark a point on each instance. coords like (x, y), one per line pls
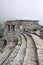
(14, 27)
(28, 49)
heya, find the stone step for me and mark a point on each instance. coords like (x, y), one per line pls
(13, 54)
(30, 57)
(39, 45)
(4, 55)
(20, 56)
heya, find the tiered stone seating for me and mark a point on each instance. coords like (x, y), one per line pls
(14, 53)
(28, 51)
(30, 57)
(21, 54)
(39, 45)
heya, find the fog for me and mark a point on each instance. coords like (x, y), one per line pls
(21, 9)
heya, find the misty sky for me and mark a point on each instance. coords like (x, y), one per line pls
(21, 9)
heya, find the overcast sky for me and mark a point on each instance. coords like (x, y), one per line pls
(21, 9)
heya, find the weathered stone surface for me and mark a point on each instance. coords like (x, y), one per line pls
(4, 55)
(39, 45)
(13, 54)
(30, 57)
(20, 57)
(22, 47)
